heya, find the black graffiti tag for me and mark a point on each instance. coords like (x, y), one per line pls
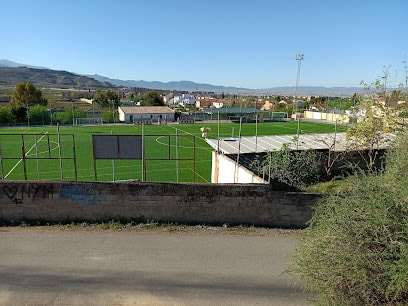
(10, 191)
(18, 193)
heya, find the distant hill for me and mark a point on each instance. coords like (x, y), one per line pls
(7, 63)
(10, 76)
(312, 91)
(175, 85)
(192, 86)
(12, 73)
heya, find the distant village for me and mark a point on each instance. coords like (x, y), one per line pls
(129, 105)
(186, 107)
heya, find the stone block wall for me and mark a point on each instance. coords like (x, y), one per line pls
(235, 204)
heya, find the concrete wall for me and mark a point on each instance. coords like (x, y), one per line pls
(332, 117)
(225, 170)
(252, 204)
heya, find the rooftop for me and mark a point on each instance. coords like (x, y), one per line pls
(146, 110)
(257, 144)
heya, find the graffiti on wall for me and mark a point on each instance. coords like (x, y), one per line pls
(83, 196)
(198, 202)
(18, 193)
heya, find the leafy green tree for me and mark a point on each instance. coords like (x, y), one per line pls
(152, 98)
(321, 102)
(107, 99)
(68, 115)
(112, 96)
(287, 108)
(137, 100)
(109, 116)
(355, 250)
(62, 117)
(39, 114)
(348, 103)
(6, 116)
(20, 112)
(100, 97)
(26, 94)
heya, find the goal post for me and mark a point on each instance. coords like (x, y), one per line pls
(88, 121)
(278, 115)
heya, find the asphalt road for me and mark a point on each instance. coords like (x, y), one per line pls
(59, 267)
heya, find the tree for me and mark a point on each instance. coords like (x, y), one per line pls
(62, 117)
(404, 84)
(107, 99)
(368, 135)
(112, 96)
(100, 98)
(6, 116)
(66, 117)
(20, 112)
(39, 114)
(26, 94)
(152, 98)
(109, 116)
(396, 95)
(379, 88)
(331, 158)
(355, 250)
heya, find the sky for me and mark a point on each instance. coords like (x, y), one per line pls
(250, 44)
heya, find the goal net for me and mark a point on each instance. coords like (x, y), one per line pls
(279, 115)
(88, 121)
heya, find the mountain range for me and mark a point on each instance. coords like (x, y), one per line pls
(175, 85)
(12, 73)
(7, 63)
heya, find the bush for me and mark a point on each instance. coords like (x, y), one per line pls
(39, 114)
(293, 168)
(6, 116)
(68, 116)
(355, 251)
(403, 114)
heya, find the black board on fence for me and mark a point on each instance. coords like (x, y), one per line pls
(117, 146)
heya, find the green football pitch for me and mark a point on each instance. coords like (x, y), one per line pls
(173, 153)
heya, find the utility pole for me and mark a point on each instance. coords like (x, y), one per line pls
(299, 59)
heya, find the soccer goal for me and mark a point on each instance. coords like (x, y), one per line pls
(88, 121)
(278, 115)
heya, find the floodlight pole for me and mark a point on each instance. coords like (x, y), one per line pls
(299, 59)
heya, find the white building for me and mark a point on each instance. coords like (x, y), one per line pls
(218, 104)
(187, 99)
(184, 99)
(146, 114)
(168, 98)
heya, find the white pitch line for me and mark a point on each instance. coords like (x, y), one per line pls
(32, 147)
(43, 152)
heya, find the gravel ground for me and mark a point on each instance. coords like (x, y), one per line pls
(157, 228)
